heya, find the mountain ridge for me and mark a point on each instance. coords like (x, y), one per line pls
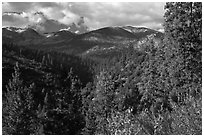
(69, 42)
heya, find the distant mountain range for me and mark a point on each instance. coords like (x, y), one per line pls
(65, 40)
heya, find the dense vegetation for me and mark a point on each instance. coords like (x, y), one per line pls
(156, 90)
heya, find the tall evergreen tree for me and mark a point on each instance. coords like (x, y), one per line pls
(183, 26)
(18, 109)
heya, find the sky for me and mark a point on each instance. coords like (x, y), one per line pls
(95, 14)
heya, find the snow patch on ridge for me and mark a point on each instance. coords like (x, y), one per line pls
(20, 30)
(66, 29)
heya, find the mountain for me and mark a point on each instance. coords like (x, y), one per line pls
(30, 34)
(18, 35)
(100, 40)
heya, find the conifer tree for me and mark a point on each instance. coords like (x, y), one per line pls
(18, 109)
(183, 26)
(61, 111)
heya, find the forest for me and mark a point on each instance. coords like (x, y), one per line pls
(154, 91)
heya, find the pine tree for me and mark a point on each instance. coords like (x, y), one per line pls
(61, 111)
(183, 26)
(18, 109)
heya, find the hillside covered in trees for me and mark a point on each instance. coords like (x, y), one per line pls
(156, 90)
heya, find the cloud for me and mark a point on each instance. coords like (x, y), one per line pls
(16, 6)
(96, 15)
(22, 19)
(132, 13)
(15, 19)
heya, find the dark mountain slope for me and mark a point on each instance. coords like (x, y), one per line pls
(105, 37)
(24, 36)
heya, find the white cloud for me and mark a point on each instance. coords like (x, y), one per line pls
(14, 20)
(96, 15)
(69, 17)
(132, 13)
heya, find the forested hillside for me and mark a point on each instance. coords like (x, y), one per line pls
(152, 90)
